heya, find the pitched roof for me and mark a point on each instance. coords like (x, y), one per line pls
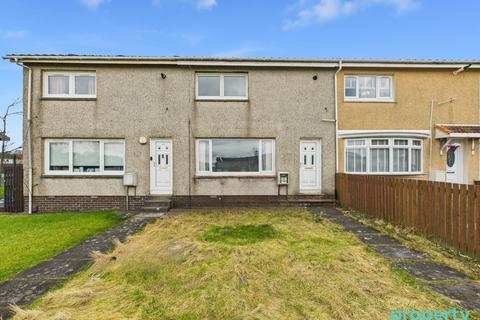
(232, 61)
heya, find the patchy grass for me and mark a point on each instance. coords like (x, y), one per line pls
(238, 264)
(240, 234)
(26, 240)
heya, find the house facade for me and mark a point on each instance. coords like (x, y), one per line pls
(201, 131)
(410, 118)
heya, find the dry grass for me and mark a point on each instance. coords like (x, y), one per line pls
(188, 267)
(410, 237)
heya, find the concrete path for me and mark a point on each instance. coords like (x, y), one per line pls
(31, 284)
(441, 278)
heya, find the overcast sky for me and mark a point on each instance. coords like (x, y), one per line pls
(435, 29)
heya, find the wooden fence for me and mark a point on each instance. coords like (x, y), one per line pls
(13, 197)
(446, 212)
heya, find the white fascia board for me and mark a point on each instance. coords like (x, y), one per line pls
(408, 65)
(442, 135)
(383, 133)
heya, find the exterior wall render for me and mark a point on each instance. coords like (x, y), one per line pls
(414, 89)
(134, 102)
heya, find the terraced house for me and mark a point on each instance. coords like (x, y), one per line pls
(200, 131)
(411, 118)
(205, 131)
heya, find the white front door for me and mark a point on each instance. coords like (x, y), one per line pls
(454, 166)
(161, 166)
(310, 166)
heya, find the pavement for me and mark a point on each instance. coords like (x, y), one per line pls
(29, 285)
(447, 281)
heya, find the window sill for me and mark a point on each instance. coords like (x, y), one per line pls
(80, 176)
(387, 173)
(220, 100)
(67, 99)
(368, 101)
(236, 177)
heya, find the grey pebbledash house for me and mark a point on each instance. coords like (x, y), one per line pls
(201, 131)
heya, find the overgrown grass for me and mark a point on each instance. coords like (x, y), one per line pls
(238, 264)
(410, 237)
(26, 240)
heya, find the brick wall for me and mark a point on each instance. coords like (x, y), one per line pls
(42, 204)
(83, 203)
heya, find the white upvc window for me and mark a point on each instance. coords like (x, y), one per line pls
(384, 156)
(221, 86)
(237, 157)
(369, 88)
(84, 157)
(61, 84)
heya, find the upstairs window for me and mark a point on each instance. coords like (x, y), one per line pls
(69, 85)
(222, 86)
(368, 88)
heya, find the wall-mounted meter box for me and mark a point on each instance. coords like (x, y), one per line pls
(130, 179)
(282, 179)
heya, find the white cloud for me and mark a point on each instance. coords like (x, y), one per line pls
(326, 10)
(94, 4)
(206, 4)
(13, 34)
(200, 4)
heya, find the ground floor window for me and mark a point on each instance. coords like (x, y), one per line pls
(235, 156)
(84, 156)
(383, 156)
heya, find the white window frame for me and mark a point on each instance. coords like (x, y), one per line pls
(71, 84)
(390, 146)
(222, 96)
(70, 171)
(260, 172)
(377, 88)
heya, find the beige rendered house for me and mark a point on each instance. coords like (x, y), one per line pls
(200, 131)
(411, 118)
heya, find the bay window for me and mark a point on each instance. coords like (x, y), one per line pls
(84, 156)
(368, 88)
(222, 86)
(383, 156)
(61, 84)
(235, 156)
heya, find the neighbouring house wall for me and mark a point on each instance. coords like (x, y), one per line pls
(414, 91)
(285, 104)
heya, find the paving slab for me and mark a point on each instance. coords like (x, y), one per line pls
(31, 284)
(400, 252)
(23, 292)
(54, 269)
(431, 271)
(360, 229)
(377, 239)
(468, 295)
(77, 252)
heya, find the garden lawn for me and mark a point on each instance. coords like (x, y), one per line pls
(26, 240)
(277, 263)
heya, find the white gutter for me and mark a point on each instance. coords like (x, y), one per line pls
(336, 112)
(29, 134)
(247, 62)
